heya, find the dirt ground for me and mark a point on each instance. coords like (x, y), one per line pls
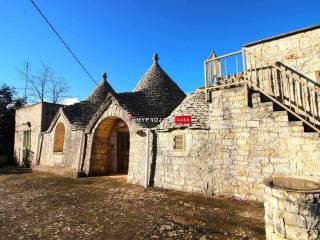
(43, 206)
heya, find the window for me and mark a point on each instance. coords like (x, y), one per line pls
(59, 138)
(179, 142)
(318, 76)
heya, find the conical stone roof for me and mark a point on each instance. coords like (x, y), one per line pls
(155, 96)
(162, 95)
(101, 91)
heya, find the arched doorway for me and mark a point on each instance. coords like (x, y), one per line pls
(110, 147)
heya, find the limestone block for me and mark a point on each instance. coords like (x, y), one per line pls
(253, 124)
(278, 223)
(280, 194)
(290, 207)
(296, 220)
(296, 233)
(313, 222)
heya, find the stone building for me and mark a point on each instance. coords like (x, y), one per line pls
(259, 122)
(247, 125)
(31, 121)
(106, 133)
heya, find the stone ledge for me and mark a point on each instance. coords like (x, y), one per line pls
(66, 172)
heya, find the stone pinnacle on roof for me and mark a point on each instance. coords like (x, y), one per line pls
(156, 79)
(156, 57)
(104, 76)
(101, 91)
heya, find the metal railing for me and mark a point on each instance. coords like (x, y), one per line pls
(286, 87)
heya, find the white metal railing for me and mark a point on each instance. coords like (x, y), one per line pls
(289, 89)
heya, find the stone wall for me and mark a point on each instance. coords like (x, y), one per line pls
(291, 214)
(30, 114)
(39, 116)
(137, 143)
(78, 145)
(70, 157)
(190, 170)
(243, 146)
(298, 51)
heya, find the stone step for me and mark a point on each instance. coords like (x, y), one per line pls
(264, 105)
(259, 100)
(280, 116)
(311, 134)
(255, 98)
(296, 123)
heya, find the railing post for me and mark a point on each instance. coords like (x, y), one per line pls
(205, 80)
(244, 66)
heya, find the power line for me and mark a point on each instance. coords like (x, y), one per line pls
(63, 42)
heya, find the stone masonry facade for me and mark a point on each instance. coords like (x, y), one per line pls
(244, 145)
(236, 139)
(298, 51)
(291, 214)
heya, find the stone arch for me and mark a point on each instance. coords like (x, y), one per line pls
(59, 138)
(110, 147)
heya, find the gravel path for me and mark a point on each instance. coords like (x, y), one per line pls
(43, 206)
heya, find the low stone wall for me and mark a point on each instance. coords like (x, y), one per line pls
(291, 214)
(62, 171)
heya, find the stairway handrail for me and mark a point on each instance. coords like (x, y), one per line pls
(307, 111)
(305, 83)
(307, 118)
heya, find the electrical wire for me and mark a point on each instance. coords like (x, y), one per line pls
(63, 42)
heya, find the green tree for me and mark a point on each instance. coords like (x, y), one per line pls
(8, 104)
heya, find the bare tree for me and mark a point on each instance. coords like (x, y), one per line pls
(57, 88)
(45, 85)
(39, 83)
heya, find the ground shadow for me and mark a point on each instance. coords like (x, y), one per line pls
(154, 159)
(8, 170)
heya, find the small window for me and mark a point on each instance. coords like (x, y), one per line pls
(318, 76)
(179, 142)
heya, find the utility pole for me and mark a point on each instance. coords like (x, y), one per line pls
(26, 83)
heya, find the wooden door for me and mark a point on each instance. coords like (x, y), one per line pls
(123, 145)
(26, 148)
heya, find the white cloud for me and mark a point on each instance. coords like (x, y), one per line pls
(70, 101)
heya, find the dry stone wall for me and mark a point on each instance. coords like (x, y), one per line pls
(78, 144)
(137, 143)
(243, 146)
(291, 214)
(69, 158)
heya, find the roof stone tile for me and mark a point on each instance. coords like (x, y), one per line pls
(193, 105)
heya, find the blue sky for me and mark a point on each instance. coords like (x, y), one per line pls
(120, 37)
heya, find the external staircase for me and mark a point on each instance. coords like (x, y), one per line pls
(287, 89)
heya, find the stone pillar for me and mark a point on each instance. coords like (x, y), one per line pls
(292, 209)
